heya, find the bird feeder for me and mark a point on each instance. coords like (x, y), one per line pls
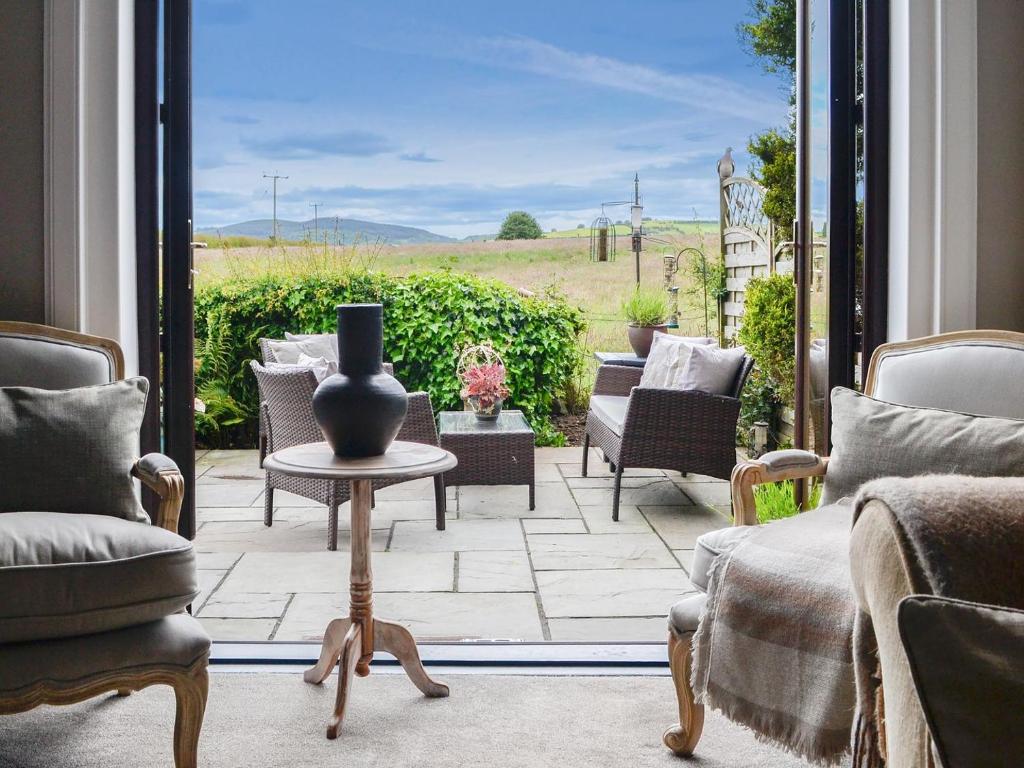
(602, 239)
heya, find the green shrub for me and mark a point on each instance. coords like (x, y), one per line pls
(769, 335)
(646, 308)
(427, 319)
(776, 501)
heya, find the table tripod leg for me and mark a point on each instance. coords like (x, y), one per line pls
(398, 641)
(334, 641)
(349, 656)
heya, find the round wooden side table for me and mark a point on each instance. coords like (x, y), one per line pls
(352, 640)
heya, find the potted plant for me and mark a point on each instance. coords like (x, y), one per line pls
(645, 313)
(482, 374)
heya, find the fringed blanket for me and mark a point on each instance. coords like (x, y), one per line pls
(960, 537)
(774, 650)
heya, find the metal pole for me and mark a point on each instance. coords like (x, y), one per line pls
(803, 229)
(316, 227)
(636, 234)
(275, 177)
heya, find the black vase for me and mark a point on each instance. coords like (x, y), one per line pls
(360, 409)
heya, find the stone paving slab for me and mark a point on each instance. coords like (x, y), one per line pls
(679, 527)
(429, 616)
(494, 572)
(282, 536)
(278, 572)
(599, 520)
(239, 629)
(611, 593)
(554, 526)
(458, 536)
(560, 552)
(513, 501)
(245, 605)
(229, 494)
(662, 492)
(629, 630)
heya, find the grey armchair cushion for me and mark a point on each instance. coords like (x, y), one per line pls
(873, 439)
(65, 575)
(72, 450)
(685, 615)
(611, 409)
(177, 641)
(712, 544)
(967, 661)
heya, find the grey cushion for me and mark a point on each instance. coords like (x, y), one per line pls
(789, 458)
(64, 575)
(712, 369)
(177, 641)
(34, 361)
(685, 615)
(874, 439)
(611, 409)
(72, 450)
(712, 544)
(982, 377)
(967, 661)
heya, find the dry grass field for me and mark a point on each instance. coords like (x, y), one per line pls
(552, 264)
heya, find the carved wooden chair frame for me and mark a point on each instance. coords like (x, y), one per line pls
(682, 738)
(190, 684)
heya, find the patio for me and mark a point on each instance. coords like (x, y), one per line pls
(563, 572)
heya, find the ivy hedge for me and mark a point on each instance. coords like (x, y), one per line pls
(428, 319)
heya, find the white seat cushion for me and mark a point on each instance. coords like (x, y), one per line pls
(611, 409)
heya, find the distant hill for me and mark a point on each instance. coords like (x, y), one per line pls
(348, 230)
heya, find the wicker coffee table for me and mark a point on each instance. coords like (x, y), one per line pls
(496, 452)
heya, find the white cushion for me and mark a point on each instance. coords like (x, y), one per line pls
(611, 409)
(321, 368)
(667, 360)
(712, 369)
(323, 345)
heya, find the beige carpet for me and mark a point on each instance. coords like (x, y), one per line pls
(275, 719)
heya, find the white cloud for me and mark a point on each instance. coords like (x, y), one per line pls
(705, 92)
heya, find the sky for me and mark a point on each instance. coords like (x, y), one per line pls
(448, 114)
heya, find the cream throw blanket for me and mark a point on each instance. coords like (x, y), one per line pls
(773, 650)
(960, 537)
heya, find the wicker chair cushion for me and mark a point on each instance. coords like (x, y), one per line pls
(64, 575)
(611, 409)
(668, 358)
(320, 367)
(288, 351)
(712, 369)
(322, 344)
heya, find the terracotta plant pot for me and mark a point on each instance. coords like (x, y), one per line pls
(642, 336)
(360, 409)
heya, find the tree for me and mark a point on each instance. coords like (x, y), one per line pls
(519, 225)
(770, 36)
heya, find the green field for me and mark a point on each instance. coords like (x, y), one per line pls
(562, 265)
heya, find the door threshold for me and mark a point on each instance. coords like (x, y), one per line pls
(479, 656)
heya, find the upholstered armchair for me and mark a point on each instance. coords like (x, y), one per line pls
(976, 372)
(640, 427)
(91, 602)
(286, 406)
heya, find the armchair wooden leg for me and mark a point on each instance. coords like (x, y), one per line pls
(586, 453)
(682, 738)
(615, 493)
(440, 501)
(190, 691)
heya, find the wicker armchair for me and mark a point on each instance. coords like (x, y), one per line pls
(685, 430)
(269, 357)
(286, 408)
